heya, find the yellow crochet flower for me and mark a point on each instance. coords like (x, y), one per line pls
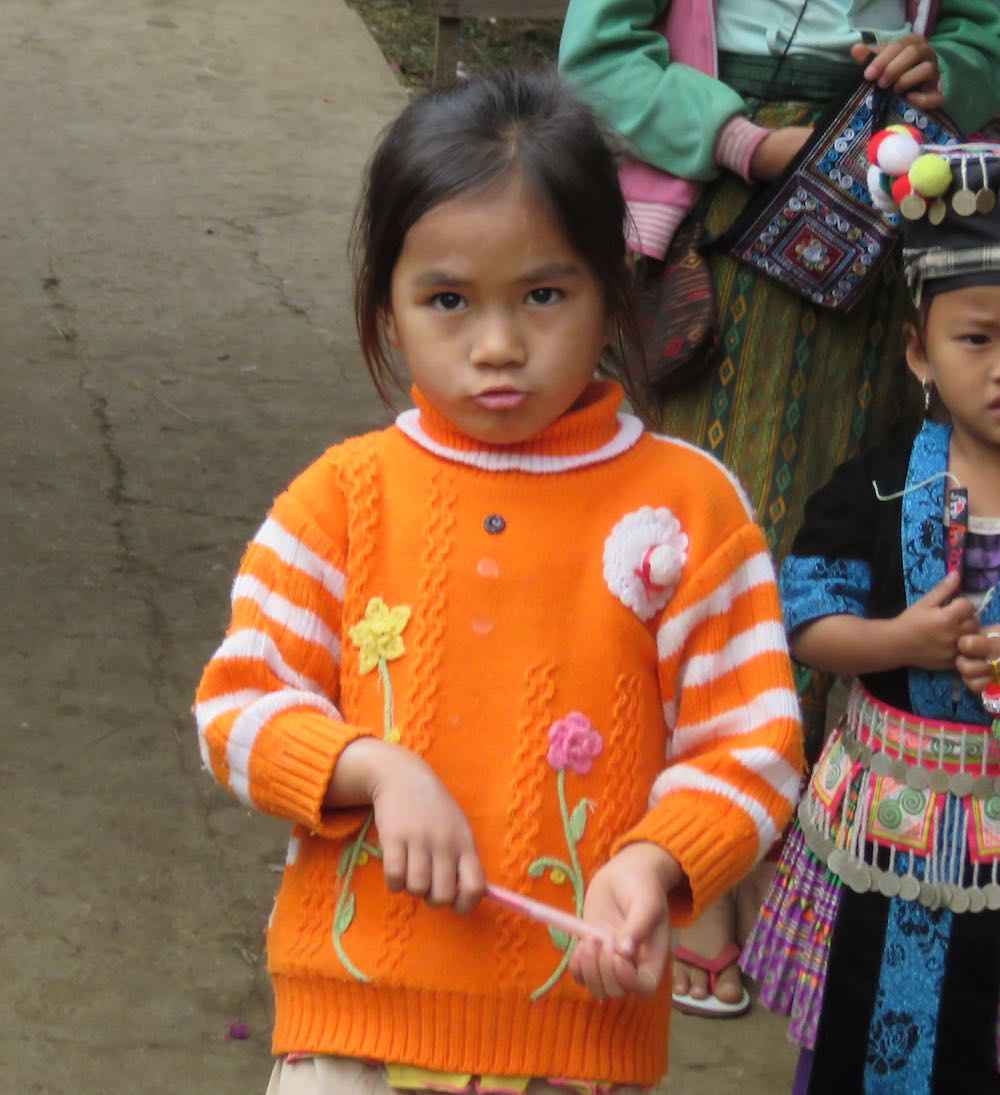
(380, 634)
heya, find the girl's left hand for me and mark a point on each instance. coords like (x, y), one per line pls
(974, 655)
(628, 895)
(909, 65)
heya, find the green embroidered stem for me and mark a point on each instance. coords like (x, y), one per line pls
(556, 973)
(573, 827)
(344, 912)
(383, 671)
(575, 874)
(549, 863)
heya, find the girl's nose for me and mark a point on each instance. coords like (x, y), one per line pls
(498, 342)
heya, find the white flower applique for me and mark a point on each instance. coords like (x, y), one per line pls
(644, 556)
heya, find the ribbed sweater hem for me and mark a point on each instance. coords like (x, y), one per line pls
(619, 1041)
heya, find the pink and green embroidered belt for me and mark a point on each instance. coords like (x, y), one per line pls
(908, 807)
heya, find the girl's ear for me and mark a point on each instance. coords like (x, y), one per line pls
(916, 353)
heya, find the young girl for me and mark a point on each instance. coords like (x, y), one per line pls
(881, 934)
(458, 645)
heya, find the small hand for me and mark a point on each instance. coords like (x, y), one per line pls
(427, 845)
(909, 65)
(975, 651)
(628, 895)
(931, 627)
(777, 150)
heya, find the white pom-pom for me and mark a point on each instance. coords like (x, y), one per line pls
(664, 565)
(883, 202)
(896, 153)
(874, 180)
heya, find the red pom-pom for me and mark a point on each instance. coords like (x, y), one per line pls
(871, 149)
(900, 188)
(991, 699)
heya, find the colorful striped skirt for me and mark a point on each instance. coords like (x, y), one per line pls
(880, 936)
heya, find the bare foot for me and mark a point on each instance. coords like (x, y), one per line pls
(706, 937)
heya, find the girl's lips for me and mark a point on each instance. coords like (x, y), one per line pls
(500, 399)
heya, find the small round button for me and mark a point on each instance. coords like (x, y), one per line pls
(494, 524)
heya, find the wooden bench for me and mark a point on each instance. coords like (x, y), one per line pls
(450, 14)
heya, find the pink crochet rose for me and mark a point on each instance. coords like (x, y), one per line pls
(573, 743)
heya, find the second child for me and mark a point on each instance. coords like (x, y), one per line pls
(881, 934)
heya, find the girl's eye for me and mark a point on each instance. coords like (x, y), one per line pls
(975, 340)
(447, 302)
(546, 295)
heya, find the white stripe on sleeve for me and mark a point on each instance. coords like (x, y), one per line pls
(685, 777)
(775, 703)
(672, 635)
(762, 638)
(292, 551)
(300, 621)
(251, 644)
(773, 768)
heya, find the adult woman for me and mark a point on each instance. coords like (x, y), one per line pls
(725, 98)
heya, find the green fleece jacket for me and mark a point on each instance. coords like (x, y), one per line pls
(623, 67)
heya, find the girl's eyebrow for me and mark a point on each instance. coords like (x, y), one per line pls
(553, 271)
(432, 278)
(978, 319)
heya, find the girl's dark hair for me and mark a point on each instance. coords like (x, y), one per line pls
(450, 143)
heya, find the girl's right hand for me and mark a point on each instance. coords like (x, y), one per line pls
(427, 845)
(777, 150)
(930, 628)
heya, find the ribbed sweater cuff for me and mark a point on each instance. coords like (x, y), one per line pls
(711, 860)
(294, 784)
(736, 143)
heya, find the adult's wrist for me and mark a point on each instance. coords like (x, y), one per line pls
(736, 143)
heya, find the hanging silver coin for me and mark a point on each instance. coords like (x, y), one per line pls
(913, 206)
(919, 779)
(985, 200)
(960, 901)
(861, 879)
(888, 884)
(881, 764)
(961, 784)
(909, 887)
(899, 770)
(929, 894)
(963, 202)
(937, 212)
(939, 779)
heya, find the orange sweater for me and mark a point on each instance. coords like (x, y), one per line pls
(523, 617)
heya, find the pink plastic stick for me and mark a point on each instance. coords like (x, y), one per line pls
(547, 914)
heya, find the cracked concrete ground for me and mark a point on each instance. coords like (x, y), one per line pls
(176, 341)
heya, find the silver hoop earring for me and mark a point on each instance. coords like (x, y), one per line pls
(928, 388)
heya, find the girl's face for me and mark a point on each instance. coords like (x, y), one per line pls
(960, 354)
(498, 320)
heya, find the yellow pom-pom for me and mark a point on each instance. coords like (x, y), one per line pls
(930, 175)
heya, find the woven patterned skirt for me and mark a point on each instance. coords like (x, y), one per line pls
(880, 936)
